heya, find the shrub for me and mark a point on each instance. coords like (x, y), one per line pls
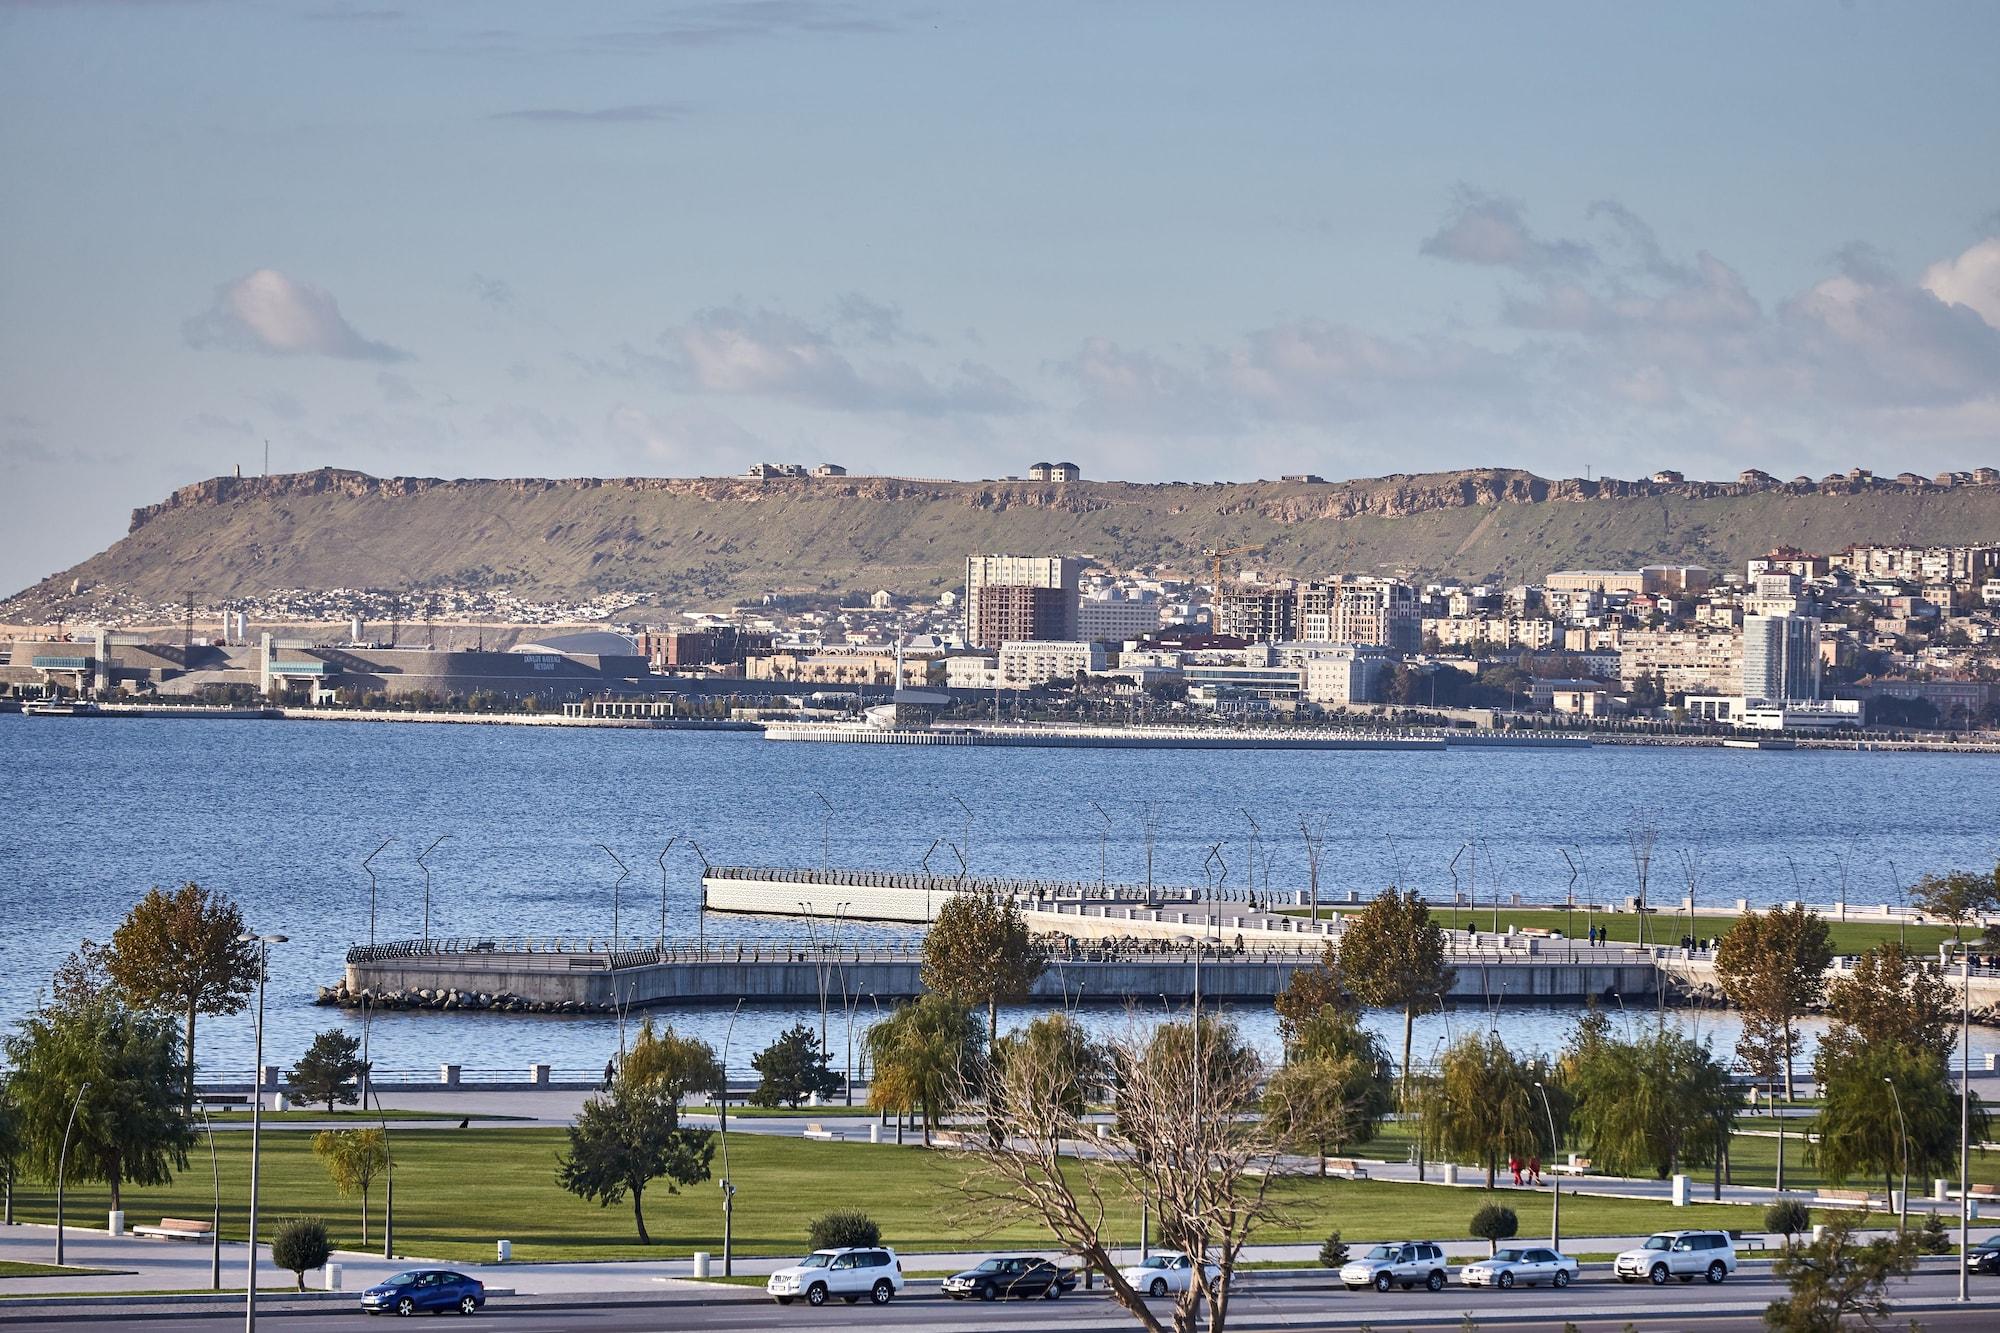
(842, 1228)
(1934, 1237)
(300, 1244)
(1494, 1223)
(1789, 1218)
(1333, 1253)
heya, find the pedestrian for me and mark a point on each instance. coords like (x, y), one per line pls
(1535, 1169)
(1514, 1165)
(610, 1072)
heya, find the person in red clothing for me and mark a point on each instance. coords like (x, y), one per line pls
(1514, 1165)
(1535, 1169)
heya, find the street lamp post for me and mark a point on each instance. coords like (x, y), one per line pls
(663, 889)
(62, 1168)
(1103, 843)
(1902, 1204)
(388, 1156)
(722, 1106)
(264, 943)
(968, 833)
(1555, 1178)
(1964, 1117)
(215, 1215)
(371, 885)
(825, 830)
(427, 883)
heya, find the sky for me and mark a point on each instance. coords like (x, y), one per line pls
(1165, 241)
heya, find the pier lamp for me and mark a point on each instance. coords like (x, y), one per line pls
(422, 861)
(1903, 1204)
(263, 943)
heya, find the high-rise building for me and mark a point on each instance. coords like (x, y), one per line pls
(1018, 598)
(1259, 615)
(1109, 619)
(1356, 608)
(1780, 658)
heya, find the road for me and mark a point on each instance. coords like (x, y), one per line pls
(1276, 1303)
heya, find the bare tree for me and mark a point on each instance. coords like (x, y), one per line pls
(1189, 1146)
(1640, 836)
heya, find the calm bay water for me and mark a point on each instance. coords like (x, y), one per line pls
(280, 815)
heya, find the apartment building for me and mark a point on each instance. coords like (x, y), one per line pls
(1360, 609)
(1020, 597)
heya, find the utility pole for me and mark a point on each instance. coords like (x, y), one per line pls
(263, 943)
(1555, 1177)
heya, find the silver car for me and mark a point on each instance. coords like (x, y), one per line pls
(1531, 1267)
(1401, 1264)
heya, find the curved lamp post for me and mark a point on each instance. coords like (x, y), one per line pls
(1555, 1179)
(1903, 1203)
(371, 886)
(263, 943)
(427, 883)
(62, 1168)
(215, 1217)
(722, 1105)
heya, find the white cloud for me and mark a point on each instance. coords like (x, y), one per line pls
(266, 311)
(1490, 229)
(688, 440)
(1971, 280)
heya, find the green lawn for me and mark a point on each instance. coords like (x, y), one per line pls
(12, 1268)
(1665, 927)
(363, 1119)
(457, 1193)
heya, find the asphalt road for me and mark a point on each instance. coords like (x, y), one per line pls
(1596, 1305)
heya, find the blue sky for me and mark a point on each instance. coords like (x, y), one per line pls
(1165, 241)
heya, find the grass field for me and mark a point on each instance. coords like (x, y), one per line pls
(1664, 927)
(12, 1268)
(360, 1119)
(457, 1193)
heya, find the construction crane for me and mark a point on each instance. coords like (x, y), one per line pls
(1215, 555)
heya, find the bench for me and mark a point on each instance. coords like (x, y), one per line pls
(1985, 1191)
(1575, 1166)
(1743, 1242)
(1347, 1168)
(1859, 1198)
(177, 1228)
(223, 1101)
(817, 1131)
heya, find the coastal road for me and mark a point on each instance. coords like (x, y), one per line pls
(1275, 1303)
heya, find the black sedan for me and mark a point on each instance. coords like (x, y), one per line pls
(426, 1291)
(1020, 1276)
(1984, 1257)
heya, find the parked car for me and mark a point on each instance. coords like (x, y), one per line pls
(1400, 1264)
(1165, 1274)
(850, 1274)
(1019, 1276)
(1531, 1267)
(1984, 1257)
(429, 1290)
(1686, 1255)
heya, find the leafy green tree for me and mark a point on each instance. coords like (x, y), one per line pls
(353, 1158)
(300, 1245)
(1311, 990)
(793, 1068)
(678, 1065)
(1859, 1130)
(1889, 999)
(1772, 965)
(1077, 1066)
(1656, 1103)
(330, 1070)
(10, 1149)
(1789, 1218)
(1332, 1251)
(179, 952)
(1483, 1105)
(1494, 1223)
(1839, 1281)
(1333, 1091)
(625, 1139)
(1958, 899)
(925, 1055)
(1392, 956)
(842, 1229)
(129, 1126)
(979, 951)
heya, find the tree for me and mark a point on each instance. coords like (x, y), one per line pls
(10, 1149)
(329, 1071)
(1656, 1103)
(1483, 1105)
(1859, 1129)
(1392, 955)
(1838, 1281)
(793, 1068)
(129, 1126)
(300, 1245)
(979, 950)
(353, 1158)
(1958, 899)
(1309, 991)
(626, 1138)
(1332, 1251)
(1189, 1145)
(179, 952)
(1789, 1218)
(1772, 965)
(1890, 999)
(926, 1055)
(1058, 1043)
(1494, 1223)
(677, 1065)
(1333, 1091)
(842, 1229)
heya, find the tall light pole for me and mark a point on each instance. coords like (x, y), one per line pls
(825, 830)
(62, 1168)
(371, 885)
(1903, 1204)
(624, 873)
(1964, 1117)
(215, 1215)
(663, 888)
(264, 943)
(701, 901)
(1103, 843)
(427, 884)
(388, 1157)
(1555, 1177)
(968, 833)
(722, 1105)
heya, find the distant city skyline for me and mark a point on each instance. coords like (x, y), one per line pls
(1165, 242)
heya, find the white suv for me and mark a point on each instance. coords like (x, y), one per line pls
(869, 1271)
(1402, 1264)
(1682, 1254)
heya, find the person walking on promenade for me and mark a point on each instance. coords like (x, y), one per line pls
(1535, 1169)
(1514, 1165)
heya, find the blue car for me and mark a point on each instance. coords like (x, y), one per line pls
(432, 1290)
